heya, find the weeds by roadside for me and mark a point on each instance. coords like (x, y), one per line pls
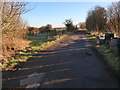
(37, 44)
(106, 53)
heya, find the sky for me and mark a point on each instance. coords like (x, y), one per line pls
(56, 13)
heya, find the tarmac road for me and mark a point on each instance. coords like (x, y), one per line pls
(70, 63)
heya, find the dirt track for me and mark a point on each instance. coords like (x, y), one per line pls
(70, 63)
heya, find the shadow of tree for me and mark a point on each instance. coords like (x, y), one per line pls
(60, 64)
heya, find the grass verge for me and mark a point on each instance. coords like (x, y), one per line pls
(107, 54)
(37, 44)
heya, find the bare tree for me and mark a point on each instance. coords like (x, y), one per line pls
(114, 17)
(11, 17)
(96, 19)
(12, 25)
(119, 18)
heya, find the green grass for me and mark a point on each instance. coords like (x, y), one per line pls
(37, 44)
(109, 57)
(107, 54)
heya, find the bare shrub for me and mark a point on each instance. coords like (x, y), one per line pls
(13, 27)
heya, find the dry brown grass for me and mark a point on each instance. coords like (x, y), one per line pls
(9, 47)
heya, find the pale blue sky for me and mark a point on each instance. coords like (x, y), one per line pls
(55, 13)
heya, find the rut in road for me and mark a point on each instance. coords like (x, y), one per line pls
(70, 63)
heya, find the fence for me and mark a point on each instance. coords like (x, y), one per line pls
(110, 42)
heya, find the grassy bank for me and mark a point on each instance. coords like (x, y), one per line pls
(37, 44)
(106, 53)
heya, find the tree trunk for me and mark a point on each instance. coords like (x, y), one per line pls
(97, 28)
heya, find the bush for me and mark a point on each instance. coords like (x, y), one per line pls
(13, 28)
